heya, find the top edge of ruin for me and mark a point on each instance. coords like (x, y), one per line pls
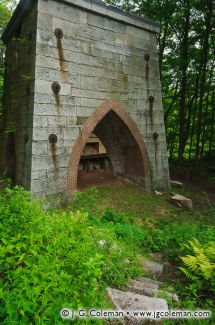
(95, 6)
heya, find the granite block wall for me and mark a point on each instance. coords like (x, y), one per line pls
(97, 56)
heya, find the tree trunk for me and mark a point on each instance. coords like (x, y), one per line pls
(206, 113)
(183, 84)
(212, 126)
(205, 51)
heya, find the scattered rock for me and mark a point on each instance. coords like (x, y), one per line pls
(102, 243)
(153, 267)
(158, 193)
(173, 296)
(167, 265)
(148, 289)
(182, 201)
(115, 246)
(148, 281)
(126, 180)
(179, 205)
(132, 301)
(176, 183)
(157, 256)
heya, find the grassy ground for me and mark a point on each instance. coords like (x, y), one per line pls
(165, 229)
(139, 206)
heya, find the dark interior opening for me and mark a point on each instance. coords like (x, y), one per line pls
(122, 154)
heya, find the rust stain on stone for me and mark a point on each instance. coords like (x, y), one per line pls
(121, 75)
(156, 149)
(151, 112)
(61, 54)
(151, 101)
(155, 136)
(147, 71)
(63, 62)
(54, 157)
(56, 90)
(147, 58)
(57, 99)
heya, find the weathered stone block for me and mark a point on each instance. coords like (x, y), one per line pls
(39, 147)
(152, 267)
(56, 120)
(71, 132)
(44, 21)
(131, 301)
(40, 120)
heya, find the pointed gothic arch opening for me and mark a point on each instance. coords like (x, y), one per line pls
(121, 138)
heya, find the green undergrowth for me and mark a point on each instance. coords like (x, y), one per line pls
(68, 257)
(50, 260)
(160, 227)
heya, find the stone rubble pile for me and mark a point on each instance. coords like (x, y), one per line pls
(142, 294)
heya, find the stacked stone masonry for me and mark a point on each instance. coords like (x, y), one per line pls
(103, 61)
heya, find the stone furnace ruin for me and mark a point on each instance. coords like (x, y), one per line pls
(80, 76)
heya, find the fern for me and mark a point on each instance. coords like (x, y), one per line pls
(199, 266)
(188, 274)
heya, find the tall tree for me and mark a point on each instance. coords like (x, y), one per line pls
(184, 63)
(6, 9)
(204, 60)
(186, 56)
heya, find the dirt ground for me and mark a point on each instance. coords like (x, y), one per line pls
(194, 182)
(99, 178)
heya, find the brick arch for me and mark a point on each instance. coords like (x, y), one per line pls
(89, 126)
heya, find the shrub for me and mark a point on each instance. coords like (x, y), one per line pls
(130, 233)
(110, 215)
(167, 236)
(86, 201)
(212, 179)
(47, 261)
(51, 260)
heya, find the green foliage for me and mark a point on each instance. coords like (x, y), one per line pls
(110, 215)
(161, 226)
(169, 236)
(51, 260)
(55, 259)
(199, 267)
(10, 128)
(6, 9)
(118, 221)
(212, 179)
(5, 14)
(25, 77)
(149, 223)
(198, 290)
(86, 201)
(130, 233)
